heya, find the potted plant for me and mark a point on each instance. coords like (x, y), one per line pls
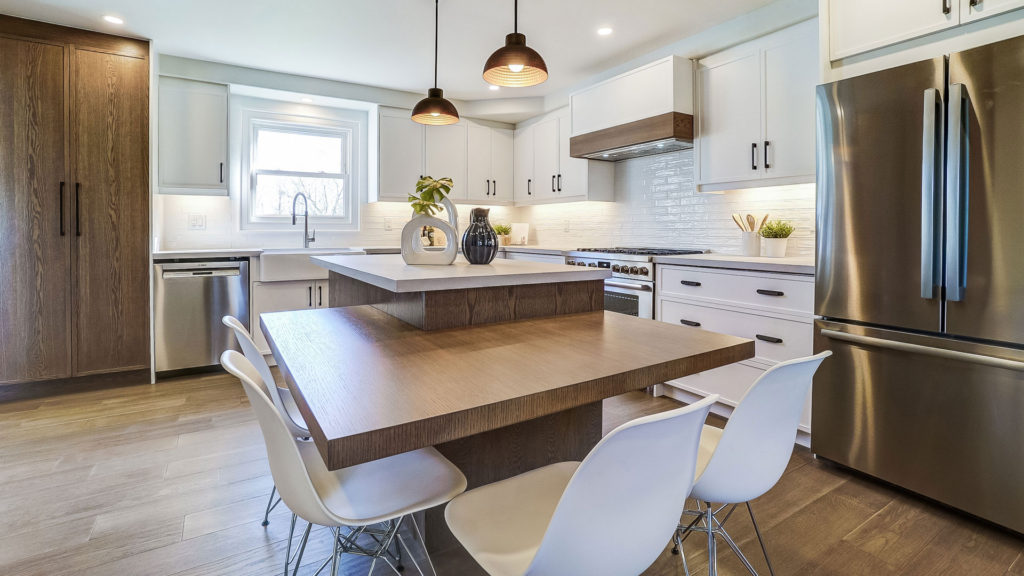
(776, 236)
(430, 198)
(504, 232)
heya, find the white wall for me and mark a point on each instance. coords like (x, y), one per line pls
(657, 205)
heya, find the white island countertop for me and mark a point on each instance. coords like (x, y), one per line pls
(787, 265)
(390, 272)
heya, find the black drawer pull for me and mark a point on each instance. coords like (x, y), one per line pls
(689, 283)
(691, 323)
(770, 292)
(771, 339)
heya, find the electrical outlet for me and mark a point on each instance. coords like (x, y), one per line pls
(197, 221)
(387, 224)
(565, 225)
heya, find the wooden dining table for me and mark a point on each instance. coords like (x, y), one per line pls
(497, 399)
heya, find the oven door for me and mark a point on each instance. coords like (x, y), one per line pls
(629, 297)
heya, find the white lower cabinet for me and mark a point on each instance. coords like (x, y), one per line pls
(284, 297)
(774, 310)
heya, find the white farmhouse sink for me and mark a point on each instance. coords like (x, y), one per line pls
(284, 264)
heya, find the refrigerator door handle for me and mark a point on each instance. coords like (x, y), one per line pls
(931, 178)
(957, 150)
(926, 350)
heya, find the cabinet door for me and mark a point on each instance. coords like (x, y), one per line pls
(280, 297)
(479, 182)
(730, 119)
(545, 159)
(525, 184)
(979, 9)
(34, 234)
(790, 72)
(856, 27)
(572, 172)
(110, 143)
(193, 121)
(401, 156)
(501, 165)
(446, 156)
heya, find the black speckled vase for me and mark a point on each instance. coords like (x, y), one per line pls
(479, 242)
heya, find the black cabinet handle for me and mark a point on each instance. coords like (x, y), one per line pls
(529, 182)
(552, 182)
(78, 220)
(770, 292)
(495, 187)
(310, 296)
(946, 7)
(689, 283)
(689, 323)
(559, 182)
(771, 339)
(753, 155)
(61, 208)
(319, 295)
(221, 172)
(488, 187)
(974, 3)
(766, 164)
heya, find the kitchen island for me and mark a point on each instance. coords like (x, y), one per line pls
(499, 393)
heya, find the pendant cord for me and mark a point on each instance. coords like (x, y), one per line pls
(435, 42)
(515, 19)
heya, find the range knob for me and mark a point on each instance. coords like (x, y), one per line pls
(581, 263)
(634, 270)
(570, 262)
(644, 270)
(615, 267)
(592, 265)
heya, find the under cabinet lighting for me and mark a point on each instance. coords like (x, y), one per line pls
(307, 100)
(113, 19)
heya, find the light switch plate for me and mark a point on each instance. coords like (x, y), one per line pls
(197, 221)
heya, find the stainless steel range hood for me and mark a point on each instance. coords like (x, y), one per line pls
(656, 135)
(646, 111)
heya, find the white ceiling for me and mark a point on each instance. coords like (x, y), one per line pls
(389, 43)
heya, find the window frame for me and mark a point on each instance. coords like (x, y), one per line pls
(329, 124)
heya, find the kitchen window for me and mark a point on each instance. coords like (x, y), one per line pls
(286, 154)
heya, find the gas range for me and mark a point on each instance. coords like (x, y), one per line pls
(632, 263)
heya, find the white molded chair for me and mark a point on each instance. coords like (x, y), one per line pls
(282, 399)
(370, 499)
(745, 459)
(610, 515)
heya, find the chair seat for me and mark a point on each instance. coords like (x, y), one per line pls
(383, 489)
(709, 438)
(517, 510)
(291, 407)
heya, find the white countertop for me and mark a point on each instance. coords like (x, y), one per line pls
(529, 249)
(787, 265)
(391, 273)
(207, 253)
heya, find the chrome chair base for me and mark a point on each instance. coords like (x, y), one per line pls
(710, 524)
(379, 542)
(271, 504)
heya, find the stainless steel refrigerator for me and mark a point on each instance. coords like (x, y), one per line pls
(920, 278)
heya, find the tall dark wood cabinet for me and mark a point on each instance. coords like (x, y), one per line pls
(74, 202)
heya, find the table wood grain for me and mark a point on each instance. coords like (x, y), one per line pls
(371, 386)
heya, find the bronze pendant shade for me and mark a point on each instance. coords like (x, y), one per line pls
(435, 110)
(515, 64)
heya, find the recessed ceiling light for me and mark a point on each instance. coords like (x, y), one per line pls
(113, 19)
(307, 100)
(604, 31)
(604, 155)
(495, 88)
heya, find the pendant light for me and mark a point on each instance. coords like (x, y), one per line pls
(515, 64)
(435, 110)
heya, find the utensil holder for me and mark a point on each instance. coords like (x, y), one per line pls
(751, 244)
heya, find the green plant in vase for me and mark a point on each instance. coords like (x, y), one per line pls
(429, 199)
(504, 232)
(429, 194)
(776, 237)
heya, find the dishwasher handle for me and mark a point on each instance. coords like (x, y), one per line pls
(200, 273)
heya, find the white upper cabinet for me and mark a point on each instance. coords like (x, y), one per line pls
(976, 9)
(446, 157)
(523, 165)
(555, 176)
(400, 155)
(862, 25)
(490, 164)
(755, 120)
(545, 160)
(193, 137)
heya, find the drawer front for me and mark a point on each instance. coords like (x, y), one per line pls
(730, 382)
(749, 288)
(795, 339)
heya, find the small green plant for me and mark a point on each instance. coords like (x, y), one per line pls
(777, 229)
(429, 194)
(502, 229)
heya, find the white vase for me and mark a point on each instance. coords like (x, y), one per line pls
(775, 247)
(751, 244)
(413, 251)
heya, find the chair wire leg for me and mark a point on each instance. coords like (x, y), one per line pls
(336, 533)
(423, 544)
(682, 553)
(302, 549)
(736, 550)
(270, 506)
(712, 550)
(411, 557)
(288, 552)
(760, 540)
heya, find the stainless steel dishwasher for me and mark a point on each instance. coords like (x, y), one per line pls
(189, 299)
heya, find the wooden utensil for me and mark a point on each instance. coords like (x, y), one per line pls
(763, 222)
(752, 222)
(739, 222)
